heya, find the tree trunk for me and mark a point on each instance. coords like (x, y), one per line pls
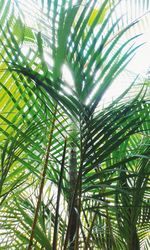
(72, 183)
(133, 243)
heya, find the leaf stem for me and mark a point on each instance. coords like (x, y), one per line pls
(42, 181)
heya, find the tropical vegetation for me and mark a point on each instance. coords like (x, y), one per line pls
(75, 172)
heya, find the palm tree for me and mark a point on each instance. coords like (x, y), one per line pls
(74, 174)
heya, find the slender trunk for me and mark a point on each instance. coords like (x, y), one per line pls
(75, 203)
(76, 246)
(58, 198)
(72, 182)
(42, 182)
(133, 242)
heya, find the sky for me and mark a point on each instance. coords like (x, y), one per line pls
(141, 61)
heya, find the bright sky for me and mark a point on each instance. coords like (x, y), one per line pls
(141, 61)
(139, 65)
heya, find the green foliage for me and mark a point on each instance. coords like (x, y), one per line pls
(74, 175)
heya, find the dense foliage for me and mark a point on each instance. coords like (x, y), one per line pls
(74, 172)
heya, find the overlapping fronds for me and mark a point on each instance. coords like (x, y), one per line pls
(74, 175)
